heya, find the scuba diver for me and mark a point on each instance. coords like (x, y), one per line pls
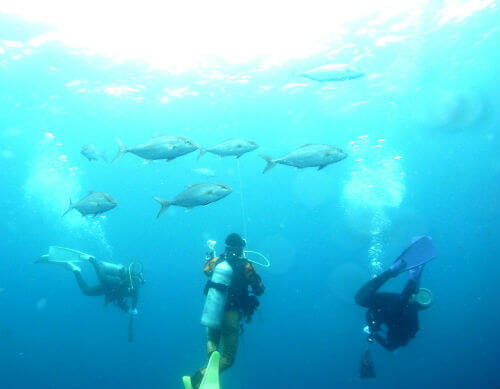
(118, 284)
(228, 301)
(392, 318)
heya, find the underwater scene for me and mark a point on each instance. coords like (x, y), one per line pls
(249, 195)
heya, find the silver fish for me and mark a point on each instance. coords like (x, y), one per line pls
(195, 195)
(166, 147)
(94, 203)
(236, 147)
(309, 155)
(333, 72)
(91, 152)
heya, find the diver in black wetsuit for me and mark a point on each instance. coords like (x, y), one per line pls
(393, 318)
(117, 284)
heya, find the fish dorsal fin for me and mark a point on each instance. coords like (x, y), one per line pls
(306, 145)
(158, 135)
(108, 197)
(193, 185)
(92, 192)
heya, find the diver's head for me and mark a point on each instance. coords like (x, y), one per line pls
(423, 298)
(235, 244)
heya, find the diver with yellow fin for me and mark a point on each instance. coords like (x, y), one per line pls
(118, 284)
(228, 302)
(392, 318)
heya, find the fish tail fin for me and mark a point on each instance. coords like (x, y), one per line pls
(202, 152)
(69, 208)
(122, 149)
(270, 163)
(164, 205)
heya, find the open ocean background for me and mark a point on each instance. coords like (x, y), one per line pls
(422, 132)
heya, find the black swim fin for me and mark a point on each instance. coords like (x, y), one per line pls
(367, 368)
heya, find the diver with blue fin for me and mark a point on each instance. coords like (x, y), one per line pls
(392, 318)
(118, 284)
(228, 302)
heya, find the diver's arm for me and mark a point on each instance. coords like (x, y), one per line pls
(254, 280)
(390, 346)
(96, 290)
(209, 267)
(366, 295)
(410, 288)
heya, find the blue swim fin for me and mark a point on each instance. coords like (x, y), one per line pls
(421, 251)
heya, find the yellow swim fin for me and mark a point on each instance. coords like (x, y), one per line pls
(186, 380)
(211, 377)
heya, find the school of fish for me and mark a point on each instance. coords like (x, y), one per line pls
(170, 147)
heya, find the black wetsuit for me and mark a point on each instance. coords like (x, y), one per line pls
(115, 288)
(391, 317)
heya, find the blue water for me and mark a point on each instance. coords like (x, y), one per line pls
(421, 130)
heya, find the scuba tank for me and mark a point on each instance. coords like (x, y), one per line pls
(111, 269)
(111, 274)
(217, 295)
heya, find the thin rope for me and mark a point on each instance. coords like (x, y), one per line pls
(242, 203)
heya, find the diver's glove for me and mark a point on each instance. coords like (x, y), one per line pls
(370, 334)
(211, 250)
(133, 312)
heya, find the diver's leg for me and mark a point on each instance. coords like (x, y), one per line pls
(213, 340)
(97, 290)
(413, 283)
(410, 288)
(365, 295)
(197, 377)
(229, 339)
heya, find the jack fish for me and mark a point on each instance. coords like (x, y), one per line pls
(333, 72)
(94, 203)
(166, 147)
(236, 147)
(196, 195)
(91, 152)
(310, 155)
